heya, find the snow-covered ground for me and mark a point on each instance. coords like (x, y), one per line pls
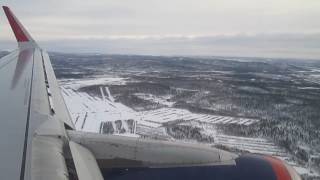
(92, 113)
(76, 83)
(157, 99)
(88, 112)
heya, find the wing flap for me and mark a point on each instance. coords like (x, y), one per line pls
(48, 162)
(85, 163)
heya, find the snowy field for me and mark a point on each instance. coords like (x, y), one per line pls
(88, 112)
(99, 113)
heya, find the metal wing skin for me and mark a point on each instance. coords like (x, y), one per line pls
(29, 97)
(38, 139)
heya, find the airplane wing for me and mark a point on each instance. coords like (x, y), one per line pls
(38, 139)
(29, 97)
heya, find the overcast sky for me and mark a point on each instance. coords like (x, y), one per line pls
(267, 28)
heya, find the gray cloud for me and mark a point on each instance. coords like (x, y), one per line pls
(277, 45)
(218, 27)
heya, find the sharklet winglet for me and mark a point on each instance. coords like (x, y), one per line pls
(22, 35)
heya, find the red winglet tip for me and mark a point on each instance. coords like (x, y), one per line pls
(18, 32)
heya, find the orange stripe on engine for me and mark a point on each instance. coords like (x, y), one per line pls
(279, 168)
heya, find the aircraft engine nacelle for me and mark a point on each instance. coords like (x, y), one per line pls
(129, 158)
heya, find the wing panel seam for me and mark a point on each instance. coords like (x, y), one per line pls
(23, 163)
